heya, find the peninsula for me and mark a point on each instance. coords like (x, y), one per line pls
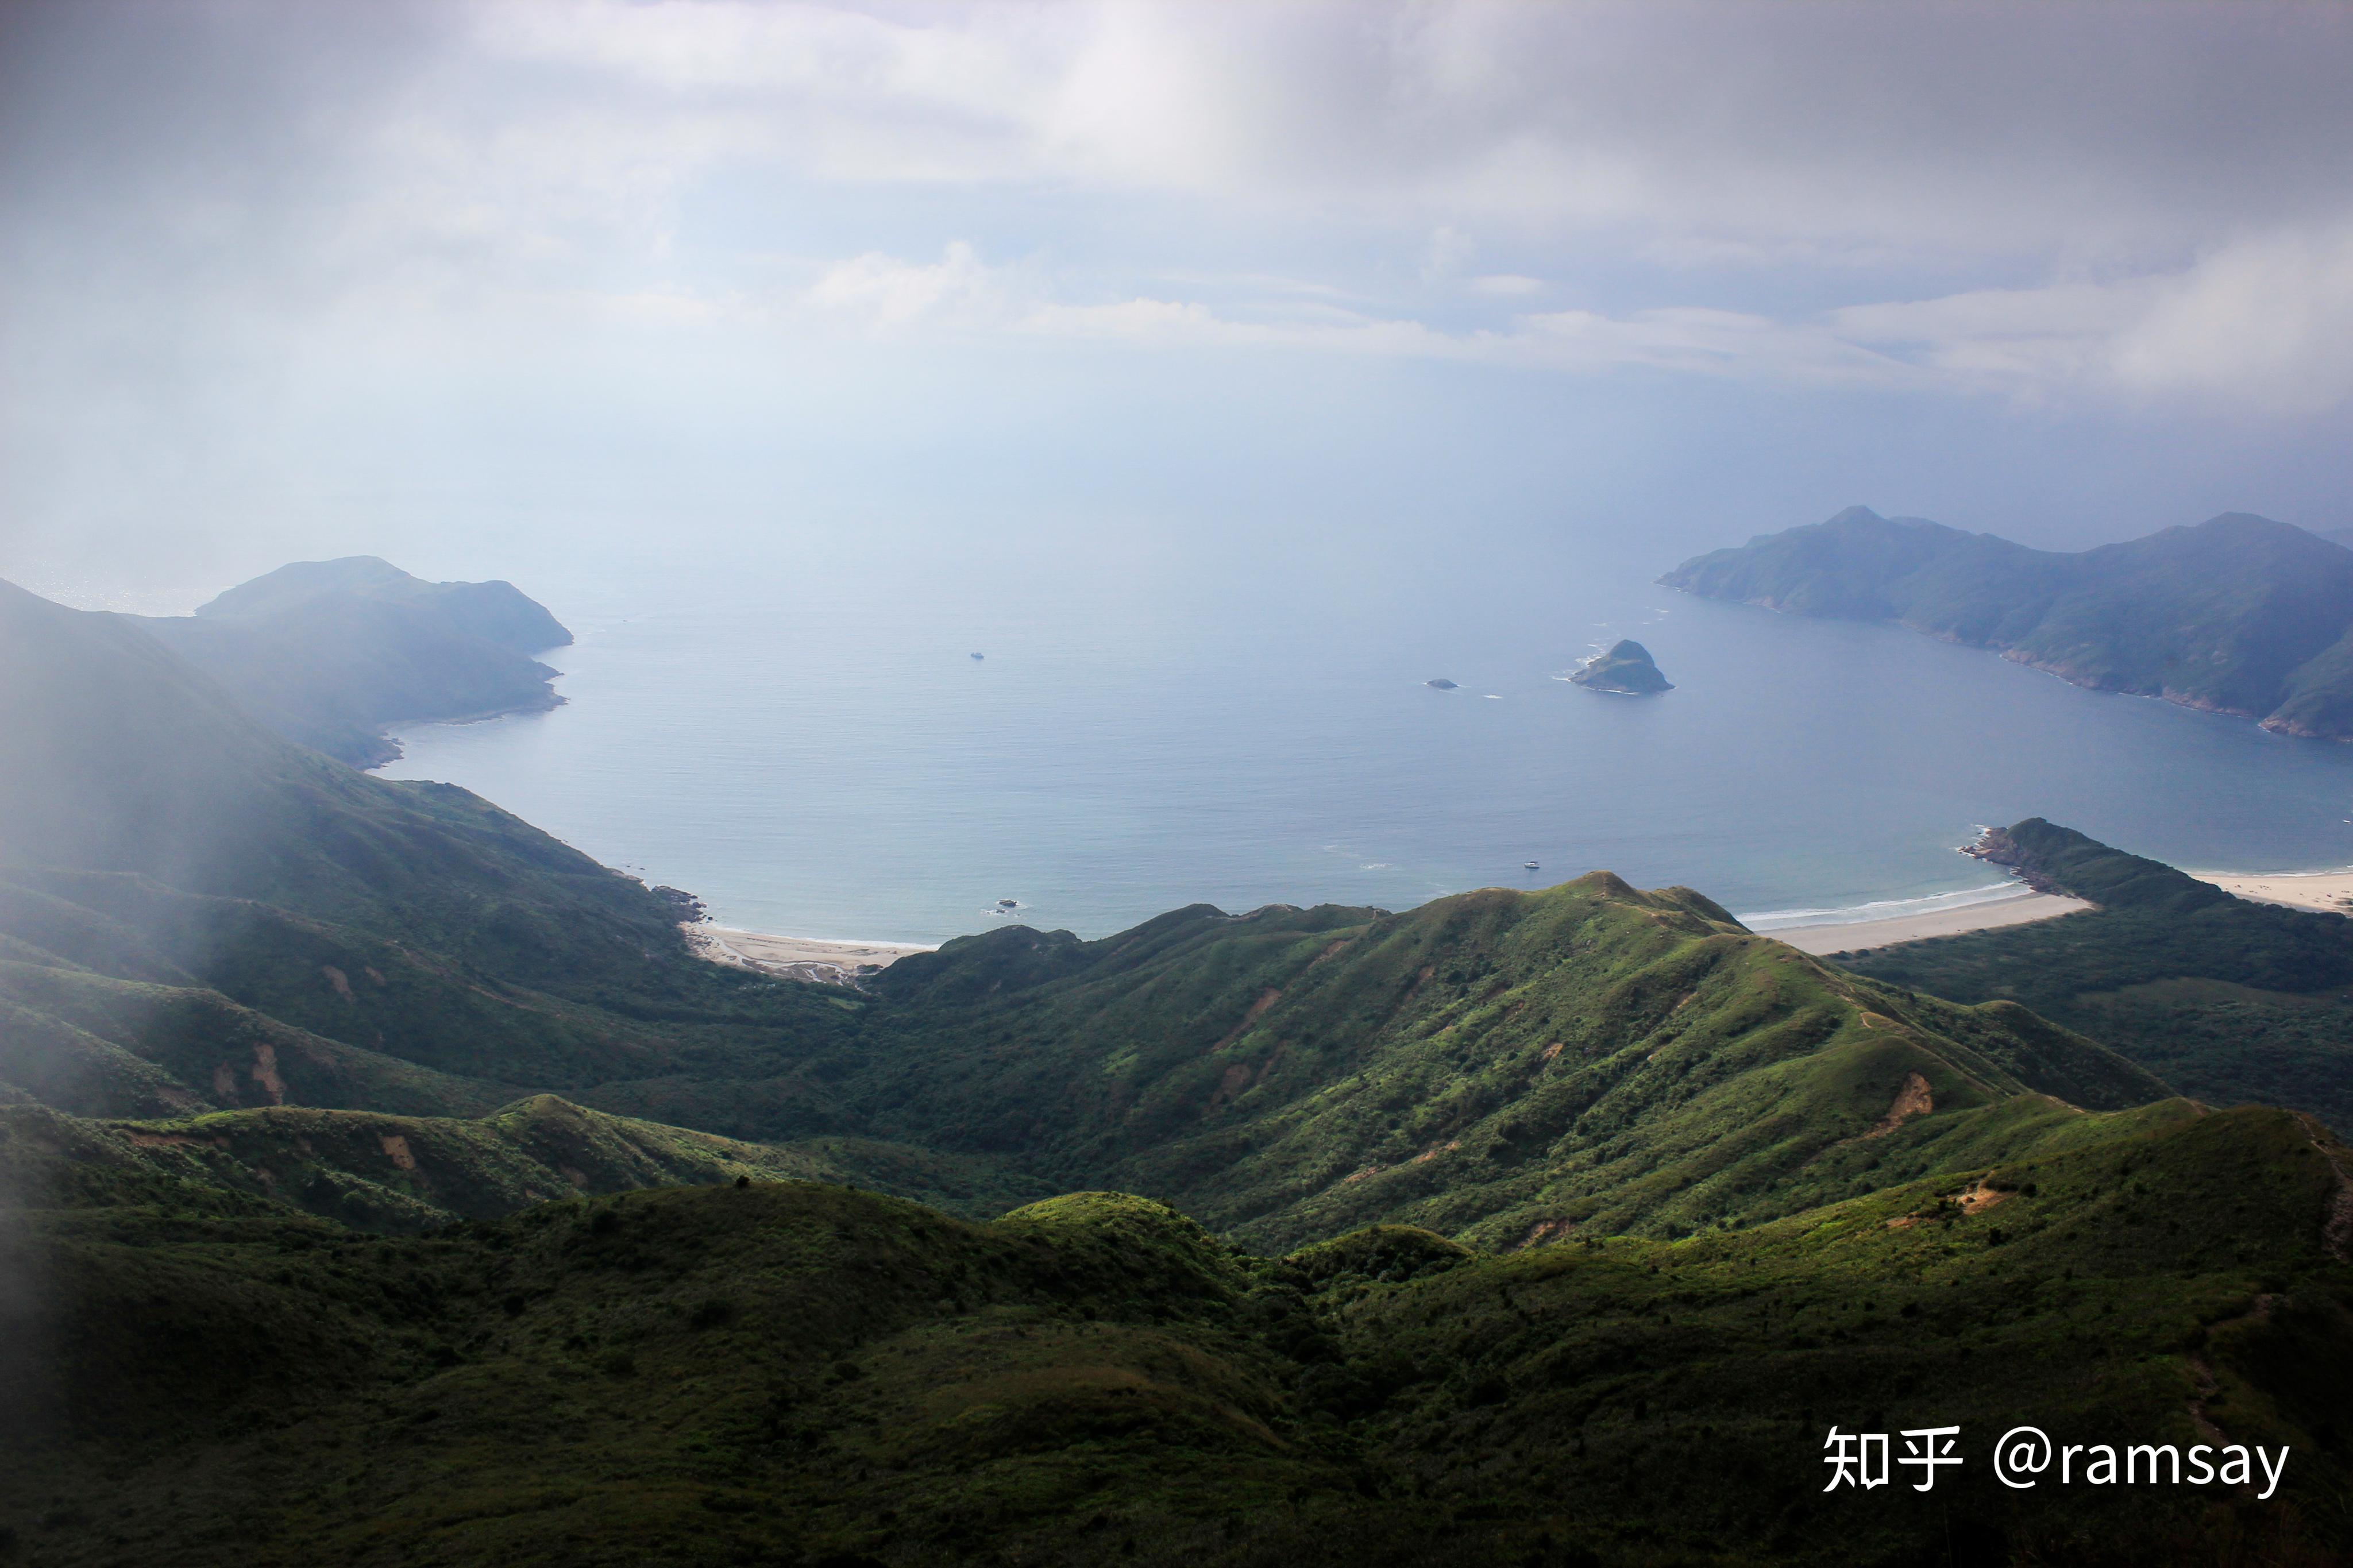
(2239, 615)
(329, 653)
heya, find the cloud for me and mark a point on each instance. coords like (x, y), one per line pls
(215, 208)
(2261, 324)
(1989, 128)
(2267, 322)
(888, 292)
(1449, 250)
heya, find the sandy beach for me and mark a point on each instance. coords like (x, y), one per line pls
(798, 957)
(2331, 891)
(1858, 935)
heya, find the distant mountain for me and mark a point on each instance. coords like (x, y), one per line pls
(328, 653)
(2239, 615)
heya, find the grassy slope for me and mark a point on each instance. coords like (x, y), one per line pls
(2230, 1001)
(400, 1174)
(1486, 1065)
(151, 832)
(789, 1372)
(2239, 614)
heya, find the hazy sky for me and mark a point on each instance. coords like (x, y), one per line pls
(468, 283)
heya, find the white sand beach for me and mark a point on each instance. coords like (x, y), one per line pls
(2328, 890)
(798, 957)
(1856, 936)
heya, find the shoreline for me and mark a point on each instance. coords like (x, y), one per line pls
(2325, 892)
(819, 960)
(842, 962)
(1862, 936)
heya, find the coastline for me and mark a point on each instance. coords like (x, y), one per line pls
(1859, 936)
(2328, 892)
(819, 960)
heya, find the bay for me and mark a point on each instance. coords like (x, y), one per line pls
(802, 738)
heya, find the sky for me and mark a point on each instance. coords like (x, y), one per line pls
(475, 286)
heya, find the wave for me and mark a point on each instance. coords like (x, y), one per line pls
(1884, 909)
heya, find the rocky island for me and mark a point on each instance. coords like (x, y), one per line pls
(1627, 669)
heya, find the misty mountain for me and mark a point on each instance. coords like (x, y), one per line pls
(2238, 614)
(328, 653)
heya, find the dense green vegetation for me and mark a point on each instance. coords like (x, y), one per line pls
(327, 653)
(381, 1181)
(2240, 615)
(786, 1372)
(1495, 1066)
(1626, 667)
(2233, 1002)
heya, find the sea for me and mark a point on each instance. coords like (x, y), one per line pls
(891, 737)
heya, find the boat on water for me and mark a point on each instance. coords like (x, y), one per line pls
(1530, 866)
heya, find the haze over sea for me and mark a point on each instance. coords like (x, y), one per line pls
(803, 739)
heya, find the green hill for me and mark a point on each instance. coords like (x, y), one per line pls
(2230, 1001)
(152, 833)
(397, 1174)
(328, 653)
(2239, 615)
(1495, 1065)
(787, 1373)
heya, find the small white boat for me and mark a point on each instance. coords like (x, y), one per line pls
(1530, 866)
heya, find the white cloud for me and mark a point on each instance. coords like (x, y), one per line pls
(1764, 130)
(890, 293)
(2008, 204)
(1449, 250)
(2265, 323)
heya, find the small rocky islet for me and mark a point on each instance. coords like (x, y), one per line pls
(1627, 669)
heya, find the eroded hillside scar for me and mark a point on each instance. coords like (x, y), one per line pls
(1914, 1098)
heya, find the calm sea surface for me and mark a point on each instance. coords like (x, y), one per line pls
(803, 739)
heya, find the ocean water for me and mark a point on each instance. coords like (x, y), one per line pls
(802, 737)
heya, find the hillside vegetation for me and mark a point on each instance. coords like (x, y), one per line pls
(2233, 1002)
(382, 1181)
(180, 887)
(2239, 615)
(328, 653)
(1498, 1065)
(787, 1372)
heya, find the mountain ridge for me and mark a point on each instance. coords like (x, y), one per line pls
(329, 653)
(2238, 614)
